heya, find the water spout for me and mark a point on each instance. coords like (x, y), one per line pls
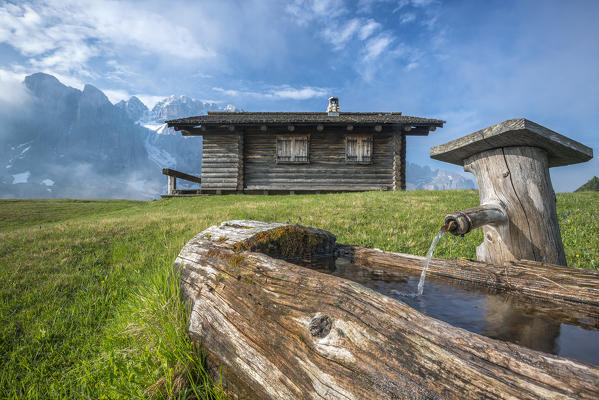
(460, 223)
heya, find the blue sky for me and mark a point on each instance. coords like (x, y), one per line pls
(471, 63)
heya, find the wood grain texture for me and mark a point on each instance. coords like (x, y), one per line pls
(281, 331)
(172, 185)
(222, 161)
(327, 162)
(402, 167)
(181, 175)
(398, 143)
(475, 217)
(514, 132)
(518, 179)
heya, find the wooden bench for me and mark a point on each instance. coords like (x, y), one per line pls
(172, 182)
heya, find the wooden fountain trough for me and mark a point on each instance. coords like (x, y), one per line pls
(276, 329)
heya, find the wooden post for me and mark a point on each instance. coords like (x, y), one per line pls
(511, 163)
(240, 162)
(399, 161)
(402, 158)
(172, 185)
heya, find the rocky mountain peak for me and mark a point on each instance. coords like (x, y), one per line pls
(134, 108)
(40, 78)
(47, 86)
(92, 96)
(181, 106)
(136, 102)
(231, 108)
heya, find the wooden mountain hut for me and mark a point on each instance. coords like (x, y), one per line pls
(299, 152)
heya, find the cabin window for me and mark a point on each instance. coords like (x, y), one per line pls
(358, 149)
(292, 149)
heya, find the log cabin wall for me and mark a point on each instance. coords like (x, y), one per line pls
(222, 162)
(326, 169)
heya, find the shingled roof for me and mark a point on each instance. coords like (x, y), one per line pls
(301, 118)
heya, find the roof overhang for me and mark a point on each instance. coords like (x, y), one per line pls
(219, 123)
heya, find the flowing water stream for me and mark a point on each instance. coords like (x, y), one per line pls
(429, 255)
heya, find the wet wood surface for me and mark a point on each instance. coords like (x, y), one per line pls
(281, 331)
(573, 292)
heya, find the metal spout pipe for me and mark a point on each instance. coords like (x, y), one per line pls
(460, 223)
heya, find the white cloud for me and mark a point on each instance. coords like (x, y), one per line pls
(234, 93)
(64, 35)
(338, 36)
(23, 177)
(368, 29)
(305, 11)
(376, 46)
(422, 3)
(299, 94)
(278, 92)
(407, 17)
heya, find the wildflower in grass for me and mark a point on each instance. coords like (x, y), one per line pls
(577, 255)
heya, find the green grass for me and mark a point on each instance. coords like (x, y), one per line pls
(89, 308)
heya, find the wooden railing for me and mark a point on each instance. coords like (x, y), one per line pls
(172, 179)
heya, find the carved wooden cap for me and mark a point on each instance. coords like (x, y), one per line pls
(514, 132)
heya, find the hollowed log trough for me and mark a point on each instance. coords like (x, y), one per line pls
(275, 329)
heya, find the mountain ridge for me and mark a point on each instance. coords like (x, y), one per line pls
(76, 143)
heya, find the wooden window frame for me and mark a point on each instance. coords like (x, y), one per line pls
(294, 158)
(359, 158)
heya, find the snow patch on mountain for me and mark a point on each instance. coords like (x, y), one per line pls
(232, 108)
(424, 178)
(160, 129)
(135, 109)
(180, 107)
(160, 157)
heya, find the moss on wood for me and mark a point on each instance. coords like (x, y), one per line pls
(286, 242)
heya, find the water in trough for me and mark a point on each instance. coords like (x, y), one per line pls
(483, 311)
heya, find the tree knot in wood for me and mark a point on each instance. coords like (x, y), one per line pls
(320, 326)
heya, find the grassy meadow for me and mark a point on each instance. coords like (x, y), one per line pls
(88, 310)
